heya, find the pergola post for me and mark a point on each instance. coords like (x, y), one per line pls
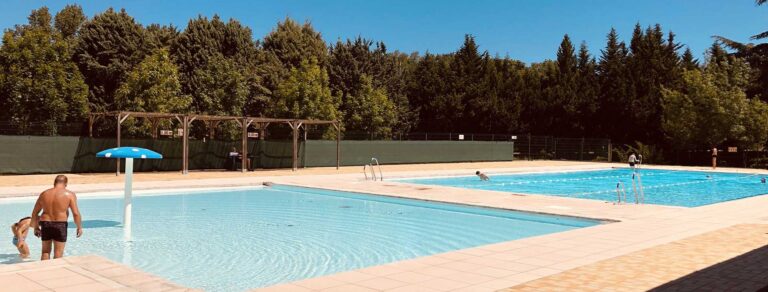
(244, 162)
(184, 145)
(338, 142)
(90, 125)
(188, 122)
(295, 127)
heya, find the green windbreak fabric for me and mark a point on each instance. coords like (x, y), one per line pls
(34, 154)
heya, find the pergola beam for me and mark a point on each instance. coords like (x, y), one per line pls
(187, 119)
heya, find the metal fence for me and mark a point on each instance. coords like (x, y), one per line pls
(527, 147)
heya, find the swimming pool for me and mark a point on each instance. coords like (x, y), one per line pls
(248, 238)
(662, 187)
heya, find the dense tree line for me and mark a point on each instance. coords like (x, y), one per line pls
(56, 69)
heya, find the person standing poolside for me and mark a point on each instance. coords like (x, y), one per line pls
(51, 225)
(482, 176)
(714, 157)
(20, 230)
(632, 161)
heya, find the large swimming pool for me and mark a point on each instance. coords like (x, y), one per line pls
(247, 238)
(662, 187)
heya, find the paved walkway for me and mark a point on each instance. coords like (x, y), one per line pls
(483, 268)
(730, 259)
(80, 274)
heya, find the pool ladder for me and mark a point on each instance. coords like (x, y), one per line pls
(621, 193)
(637, 190)
(380, 177)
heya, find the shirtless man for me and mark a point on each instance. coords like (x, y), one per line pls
(51, 226)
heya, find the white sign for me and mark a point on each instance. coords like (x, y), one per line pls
(461, 137)
(514, 137)
(732, 149)
(180, 132)
(253, 134)
(166, 133)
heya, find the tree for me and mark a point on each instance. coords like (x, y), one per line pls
(305, 94)
(687, 61)
(219, 88)
(153, 86)
(712, 107)
(764, 34)
(109, 46)
(39, 82)
(562, 98)
(653, 64)
(69, 19)
(218, 64)
(587, 91)
(293, 44)
(615, 89)
(370, 110)
(162, 36)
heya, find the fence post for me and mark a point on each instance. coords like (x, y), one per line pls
(529, 147)
(555, 147)
(610, 151)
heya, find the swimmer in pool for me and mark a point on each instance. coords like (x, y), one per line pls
(762, 180)
(482, 176)
(20, 230)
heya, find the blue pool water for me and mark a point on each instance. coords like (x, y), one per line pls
(247, 238)
(662, 187)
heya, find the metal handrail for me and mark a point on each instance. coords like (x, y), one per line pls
(373, 172)
(381, 175)
(621, 191)
(640, 186)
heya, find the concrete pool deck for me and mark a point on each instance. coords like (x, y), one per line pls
(484, 268)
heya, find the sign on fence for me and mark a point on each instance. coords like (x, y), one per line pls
(166, 133)
(253, 134)
(732, 149)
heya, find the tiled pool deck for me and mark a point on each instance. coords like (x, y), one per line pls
(80, 273)
(502, 265)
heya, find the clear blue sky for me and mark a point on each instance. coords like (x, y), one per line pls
(525, 30)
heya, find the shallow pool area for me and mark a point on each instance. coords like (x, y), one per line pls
(659, 186)
(246, 238)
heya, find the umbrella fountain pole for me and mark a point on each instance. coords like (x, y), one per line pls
(127, 199)
(129, 153)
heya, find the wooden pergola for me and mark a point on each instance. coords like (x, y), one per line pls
(211, 122)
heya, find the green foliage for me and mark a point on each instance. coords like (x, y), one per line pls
(305, 94)
(38, 81)
(109, 46)
(69, 19)
(153, 86)
(219, 88)
(651, 153)
(217, 63)
(294, 44)
(712, 107)
(647, 91)
(369, 110)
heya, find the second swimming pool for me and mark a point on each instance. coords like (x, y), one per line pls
(662, 187)
(248, 238)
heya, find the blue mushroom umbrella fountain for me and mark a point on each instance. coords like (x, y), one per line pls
(129, 153)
